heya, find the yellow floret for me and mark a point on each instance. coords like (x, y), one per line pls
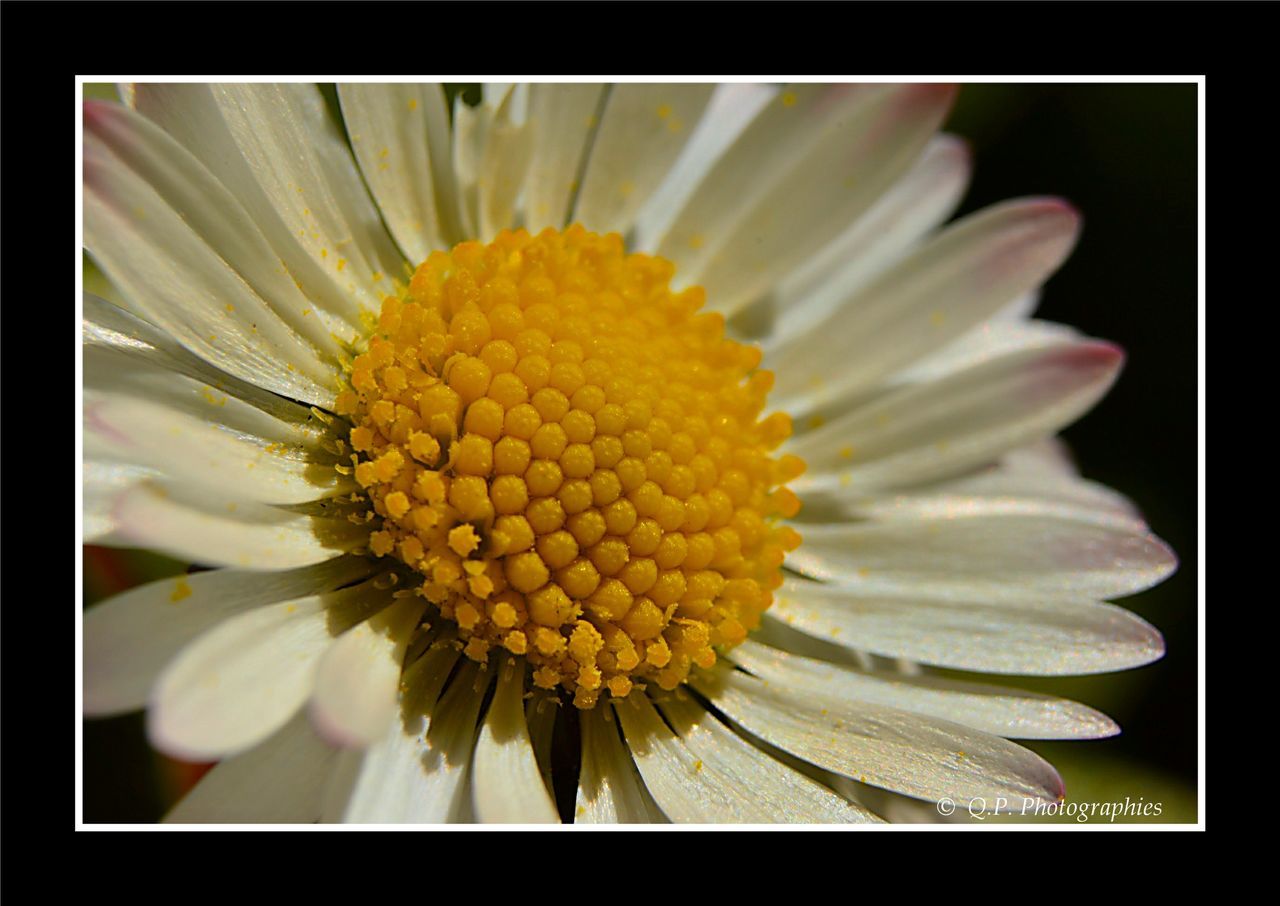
(575, 458)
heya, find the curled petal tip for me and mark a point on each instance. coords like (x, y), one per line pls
(1101, 356)
(1158, 649)
(1061, 210)
(1049, 207)
(1170, 562)
(1106, 351)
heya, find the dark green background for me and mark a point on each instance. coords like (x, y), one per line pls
(1125, 155)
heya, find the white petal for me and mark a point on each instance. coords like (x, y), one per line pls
(1033, 636)
(786, 794)
(642, 131)
(127, 359)
(279, 781)
(470, 126)
(1011, 713)
(732, 108)
(508, 147)
(276, 148)
(192, 451)
(822, 195)
(562, 117)
(173, 278)
(358, 677)
(122, 337)
(610, 790)
(995, 337)
(188, 187)
(711, 780)
(984, 556)
(777, 632)
(129, 638)
(954, 282)
(240, 682)
(473, 141)
(924, 433)
(400, 135)
(914, 205)
(885, 747)
(990, 492)
(386, 780)
(117, 373)
(108, 326)
(229, 533)
(418, 773)
(676, 778)
(784, 129)
(507, 786)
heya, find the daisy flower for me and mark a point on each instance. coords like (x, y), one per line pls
(620, 453)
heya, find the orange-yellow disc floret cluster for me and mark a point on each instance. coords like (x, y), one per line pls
(574, 460)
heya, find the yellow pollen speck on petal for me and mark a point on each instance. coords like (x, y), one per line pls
(789, 99)
(413, 103)
(574, 458)
(180, 591)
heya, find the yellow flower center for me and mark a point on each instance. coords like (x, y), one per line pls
(573, 459)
